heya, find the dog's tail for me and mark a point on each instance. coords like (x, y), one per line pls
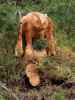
(19, 26)
(19, 14)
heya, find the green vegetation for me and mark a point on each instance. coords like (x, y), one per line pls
(62, 13)
(58, 96)
(2, 98)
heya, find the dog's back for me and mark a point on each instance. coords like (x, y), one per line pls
(36, 19)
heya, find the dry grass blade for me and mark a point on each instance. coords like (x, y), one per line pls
(10, 93)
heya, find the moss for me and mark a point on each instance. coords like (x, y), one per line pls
(58, 96)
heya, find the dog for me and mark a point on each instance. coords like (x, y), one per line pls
(33, 25)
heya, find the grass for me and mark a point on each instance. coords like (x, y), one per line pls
(11, 71)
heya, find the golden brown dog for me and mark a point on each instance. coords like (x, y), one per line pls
(34, 25)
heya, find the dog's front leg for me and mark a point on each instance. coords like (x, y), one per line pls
(28, 50)
(51, 45)
(19, 49)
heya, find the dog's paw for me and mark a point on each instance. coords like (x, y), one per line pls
(53, 53)
(29, 52)
(18, 52)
